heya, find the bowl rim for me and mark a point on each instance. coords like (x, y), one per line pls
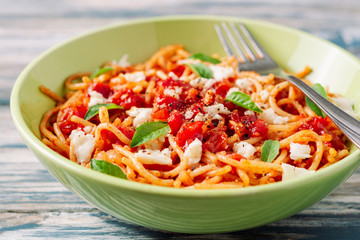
(34, 143)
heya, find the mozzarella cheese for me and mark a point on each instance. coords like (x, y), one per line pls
(123, 62)
(244, 84)
(233, 89)
(299, 151)
(220, 73)
(272, 118)
(345, 104)
(84, 145)
(193, 152)
(244, 149)
(148, 156)
(264, 95)
(96, 98)
(290, 171)
(141, 115)
(173, 92)
(135, 76)
(202, 83)
(214, 110)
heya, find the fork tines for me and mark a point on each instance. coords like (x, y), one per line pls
(238, 42)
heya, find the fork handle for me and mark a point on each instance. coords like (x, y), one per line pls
(348, 124)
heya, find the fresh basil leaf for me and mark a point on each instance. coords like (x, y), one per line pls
(94, 110)
(108, 168)
(320, 89)
(100, 71)
(201, 70)
(148, 131)
(270, 150)
(243, 100)
(205, 58)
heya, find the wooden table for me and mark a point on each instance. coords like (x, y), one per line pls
(33, 205)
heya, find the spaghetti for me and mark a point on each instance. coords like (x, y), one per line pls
(208, 139)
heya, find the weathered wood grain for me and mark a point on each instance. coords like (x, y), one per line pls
(33, 205)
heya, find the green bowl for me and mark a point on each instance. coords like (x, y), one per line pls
(171, 209)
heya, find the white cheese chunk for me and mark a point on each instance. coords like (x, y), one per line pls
(345, 104)
(84, 145)
(221, 73)
(88, 129)
(233, 89)
(299, 151)
(272, 118)
(200, 117)
(244, 149)
(290, 171)
(249, 113)
(147, 156)
(264, 95)
(135, 76)
(173, 92)
(193, 152)
(123, 62)
(96, 98)
(202, 83)
(189, 114)
(244, 84)
(214, 110)
(141, 115)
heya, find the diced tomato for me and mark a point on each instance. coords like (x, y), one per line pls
(102, 88)
(128, 132)
(65, 124)
(110, 138)
(258, 128)
(175, 121)
(158, 167)
(192, 96)
(189, 132)
(319, 125)
(215, 140)
(236, 156)
(163, 106)
(316, 124)
(249, 126)
(178, 70)
(160, 114)
(196, 108)
(221, 88)
(127, 99)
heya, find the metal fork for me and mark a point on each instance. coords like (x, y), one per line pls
(237, 41)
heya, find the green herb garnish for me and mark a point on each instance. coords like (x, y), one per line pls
(94, 110)
(201, 70)
(108, 168)
(148, 131)
(205, 58)
(320, 89)
(100, 71)
(243, 100)
(270, 150)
